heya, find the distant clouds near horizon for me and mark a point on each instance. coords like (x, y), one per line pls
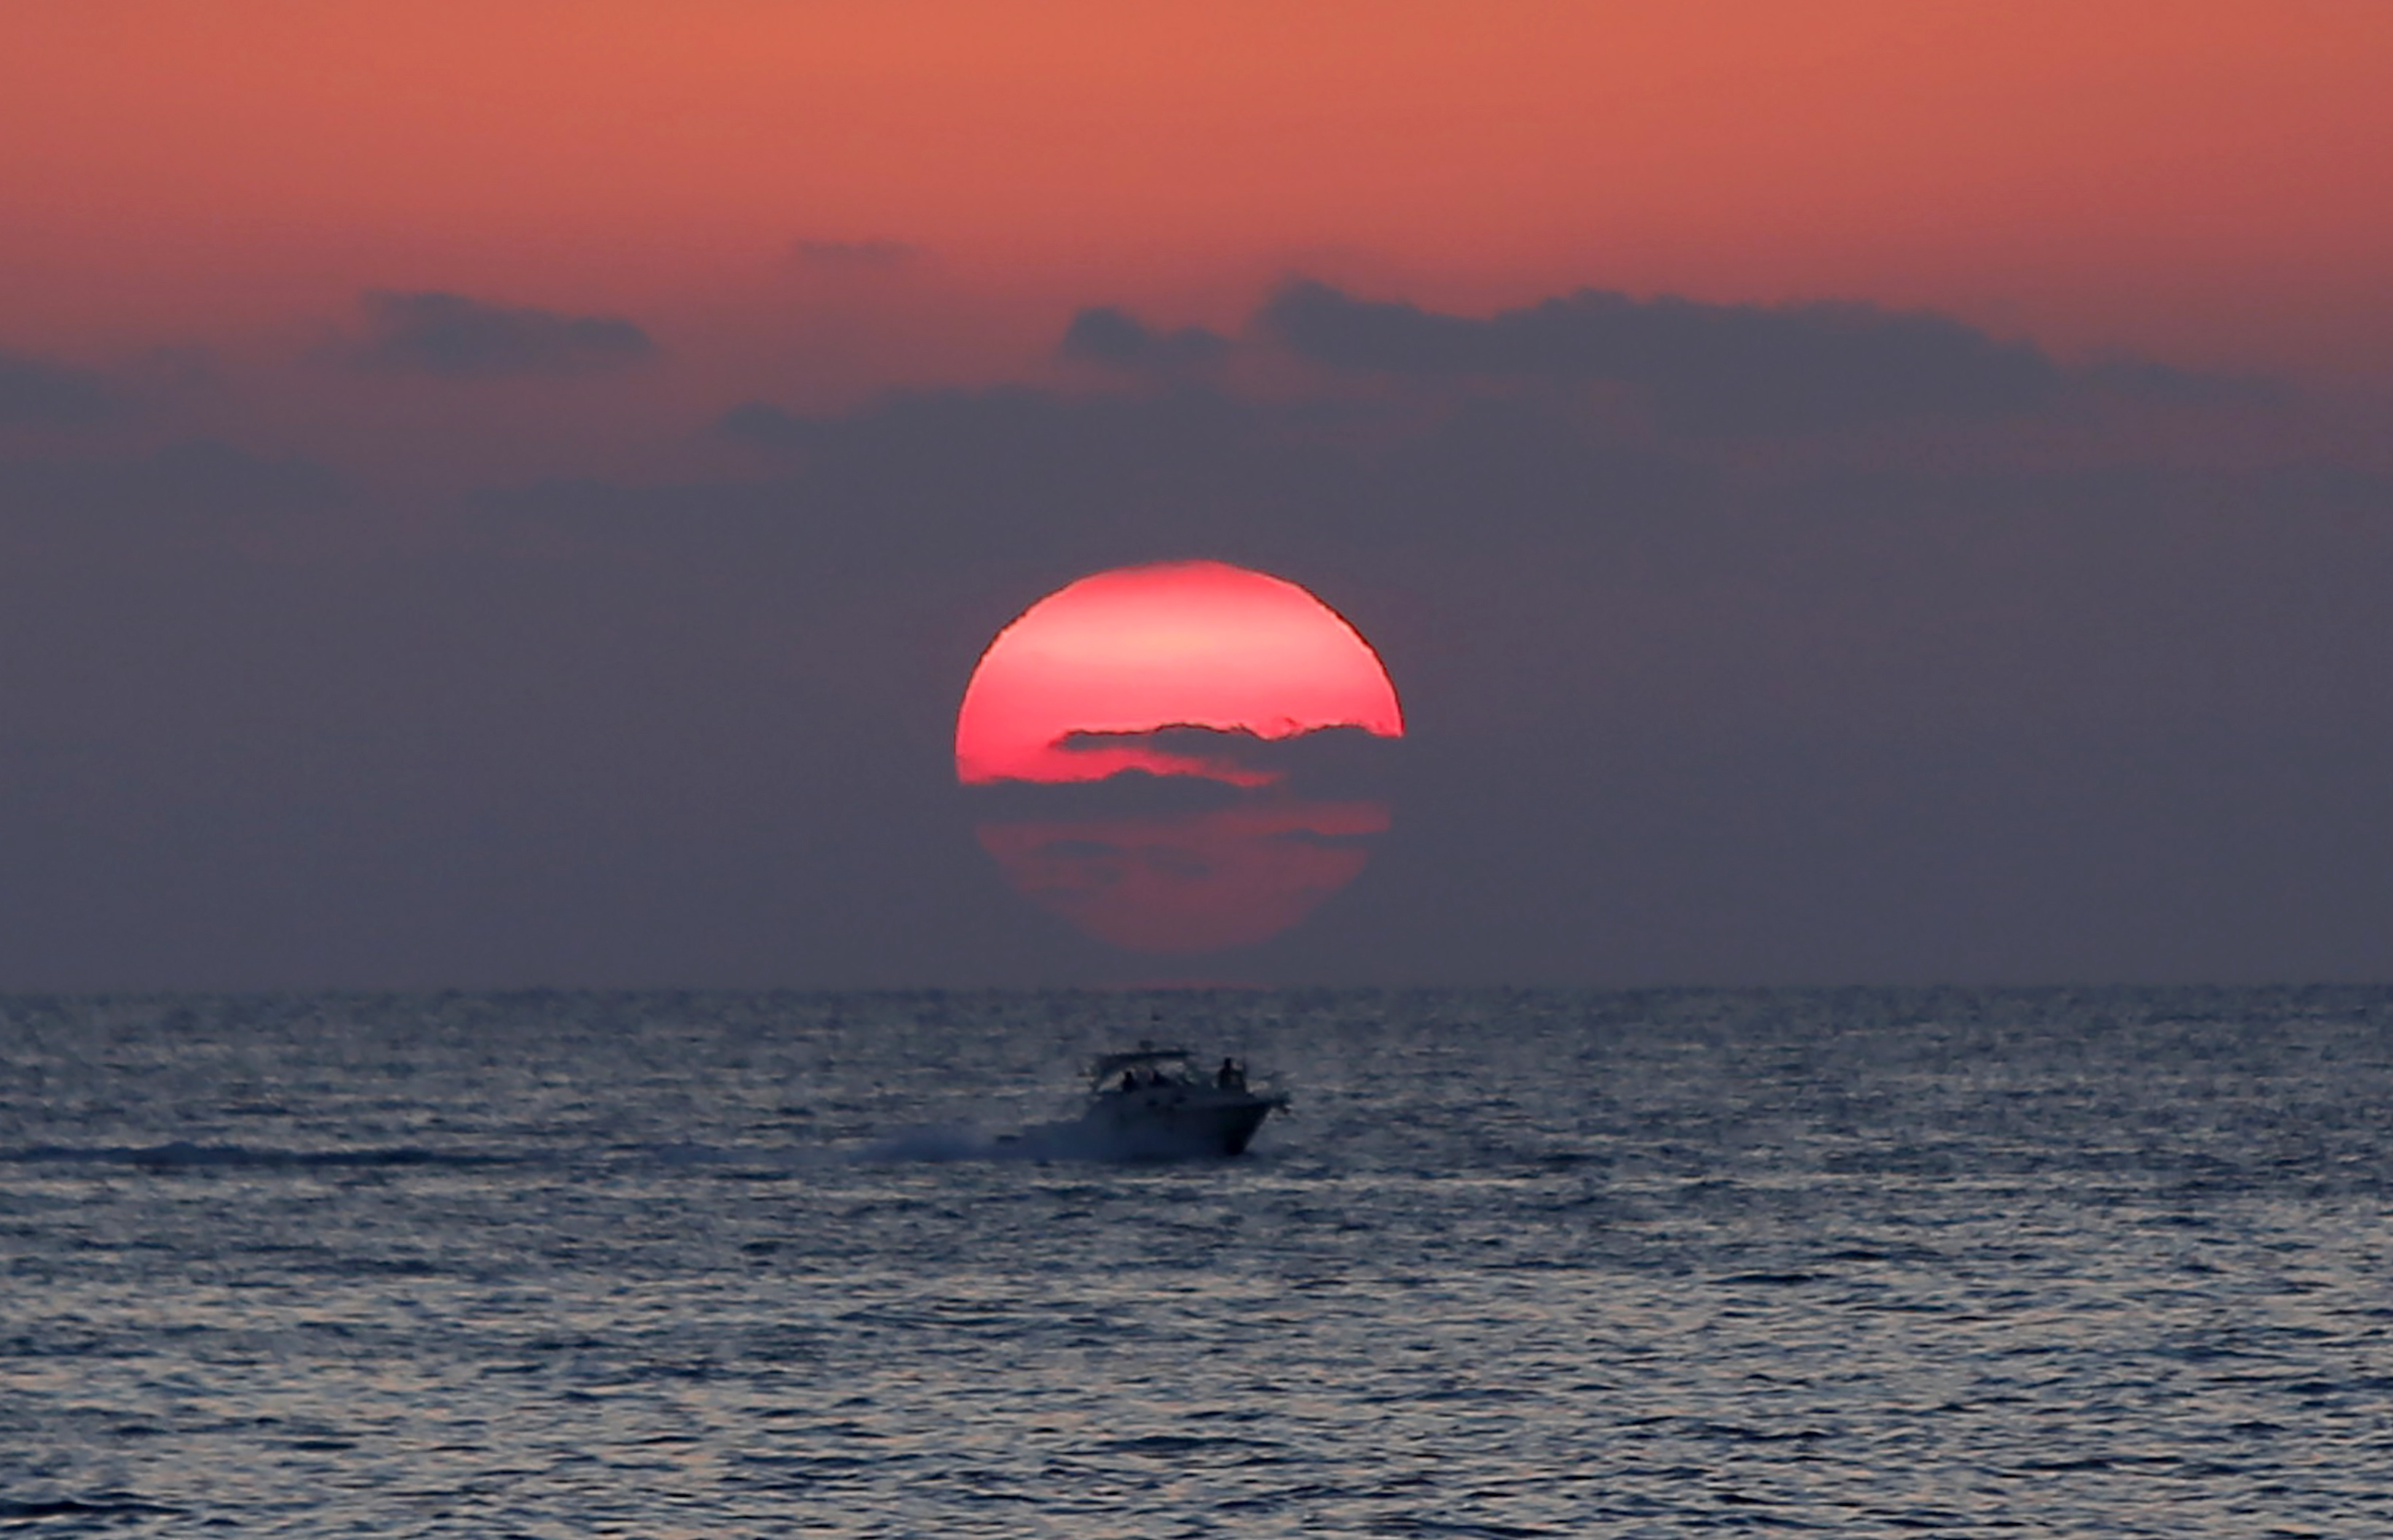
(41, 390)
(460, 338)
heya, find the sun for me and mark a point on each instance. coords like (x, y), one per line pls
(1178, 757)
(1138, 649)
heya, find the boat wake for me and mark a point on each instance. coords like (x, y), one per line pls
(183, 1155)
(1072, 1140)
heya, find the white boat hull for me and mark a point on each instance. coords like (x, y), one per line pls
(1177, 1122)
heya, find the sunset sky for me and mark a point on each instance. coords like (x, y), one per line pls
(1867, 492)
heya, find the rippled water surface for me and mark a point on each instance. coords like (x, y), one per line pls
(1518, 1264)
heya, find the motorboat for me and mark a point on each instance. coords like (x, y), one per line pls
(1151, 1103)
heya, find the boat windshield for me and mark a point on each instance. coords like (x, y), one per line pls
(1146, 1068)
(1144, 1063)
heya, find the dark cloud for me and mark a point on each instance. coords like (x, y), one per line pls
(1712, 368)
(938, 478)
(935, 481)
(676, 523)
(191, 486)
(1124, 794)
(879, 255)
(774, 427)
(1325, 762)
(1108, 335)
(2171, 385)
(36, 390)
(459, 337)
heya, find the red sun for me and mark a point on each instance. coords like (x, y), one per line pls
(1173, 757)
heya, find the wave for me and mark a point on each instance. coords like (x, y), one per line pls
(1069, 1140)
(183, 1155)
(106, 1507)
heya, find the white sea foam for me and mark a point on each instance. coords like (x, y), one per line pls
(1040, 1142)
(931, 1143)
(1068, 1139)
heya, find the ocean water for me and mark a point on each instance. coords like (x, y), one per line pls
(1516, 1264)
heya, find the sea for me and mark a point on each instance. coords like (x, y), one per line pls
(1513, 1263)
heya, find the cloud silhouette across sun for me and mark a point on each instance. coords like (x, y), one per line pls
(1178, 757)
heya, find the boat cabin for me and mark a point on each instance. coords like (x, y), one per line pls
(1147, 1067)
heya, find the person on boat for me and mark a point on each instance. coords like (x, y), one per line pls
(1230, 1075)
(1129, 1079)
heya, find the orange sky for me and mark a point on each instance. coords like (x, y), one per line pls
(2211, 182)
